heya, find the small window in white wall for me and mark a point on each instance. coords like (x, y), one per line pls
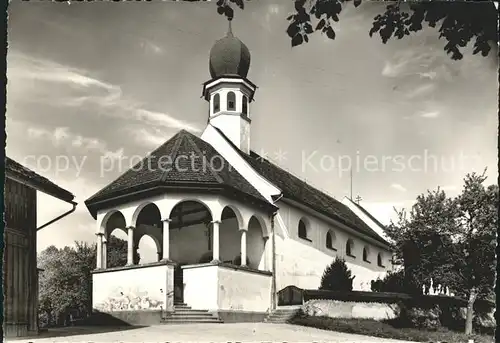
(366, 253)
(349, 247)
(303, 230)
(216, 103)
(330, 240)
(379, 260)
(231, 101)
(244, 105)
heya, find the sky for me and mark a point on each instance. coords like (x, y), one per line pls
(114, 80)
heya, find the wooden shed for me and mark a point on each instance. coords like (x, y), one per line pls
(20, 273)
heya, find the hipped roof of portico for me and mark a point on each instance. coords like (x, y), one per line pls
(183, 163)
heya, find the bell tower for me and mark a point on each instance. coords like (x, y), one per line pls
(229, 92)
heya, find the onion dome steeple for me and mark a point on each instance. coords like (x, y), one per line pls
(229, 57)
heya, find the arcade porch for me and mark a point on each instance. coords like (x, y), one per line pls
(213, 254)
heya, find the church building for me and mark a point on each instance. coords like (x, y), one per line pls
(231, 228)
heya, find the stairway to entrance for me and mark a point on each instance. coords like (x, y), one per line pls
(184, 314)
(281, 315)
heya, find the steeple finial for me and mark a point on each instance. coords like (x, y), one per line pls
(230, 29)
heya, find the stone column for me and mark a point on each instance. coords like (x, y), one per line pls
(104, 252)
(99, 250)
(166, 239)
(215, 238)
(243, 247)
(130, 246)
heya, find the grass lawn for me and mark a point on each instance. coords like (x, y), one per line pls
(371, 327)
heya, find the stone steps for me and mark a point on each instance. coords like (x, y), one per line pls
(280, 316)
(184, 314)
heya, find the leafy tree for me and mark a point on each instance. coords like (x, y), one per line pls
(57, 282)
(422, 238)
(454, 240)
(117, 252)
(66, 282)
(392, 282)
(459, 22)
(475, 243)
(337, 277)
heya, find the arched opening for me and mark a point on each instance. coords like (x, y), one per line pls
(148, 223)
(115, 234)
(231, 101)
(230, 236)
(379, 260)
(366, 254)
(148, 250)
(330, 240)
(244, 105)
(190, 233)
(256, 245)
(116, 248)
(303, 229)
(349, 247)
(216, 103)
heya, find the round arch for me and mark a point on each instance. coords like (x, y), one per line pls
(304, 228)
(256, 241)
(187, 200)
(349, 247)
(379, 260)
(112, 220)
(150, 207)
(262, 224)
(366, 253)
(146, 257)
(331, 239)
(237, 213)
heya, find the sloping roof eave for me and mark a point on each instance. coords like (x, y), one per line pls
(94, 204)
(25, 175)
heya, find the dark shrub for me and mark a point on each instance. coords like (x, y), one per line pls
(206, 257)
(412, 315)
(393, 282)
(237, 261)
(337, 277)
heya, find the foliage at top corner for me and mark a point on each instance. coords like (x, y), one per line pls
(458, 22)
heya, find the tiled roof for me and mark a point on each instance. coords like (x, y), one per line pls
(179, 162)
(16, 170)
(295, 189)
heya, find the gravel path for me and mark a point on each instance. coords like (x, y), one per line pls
(237, 332)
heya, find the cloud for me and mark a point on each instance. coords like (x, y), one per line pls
(62, 136)
(398, 187)
(421, 90)
(429, 75)
(150, 137)
(45, 82)
(393, 69)
(430, 114)
(150, 47)
(419, 61)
